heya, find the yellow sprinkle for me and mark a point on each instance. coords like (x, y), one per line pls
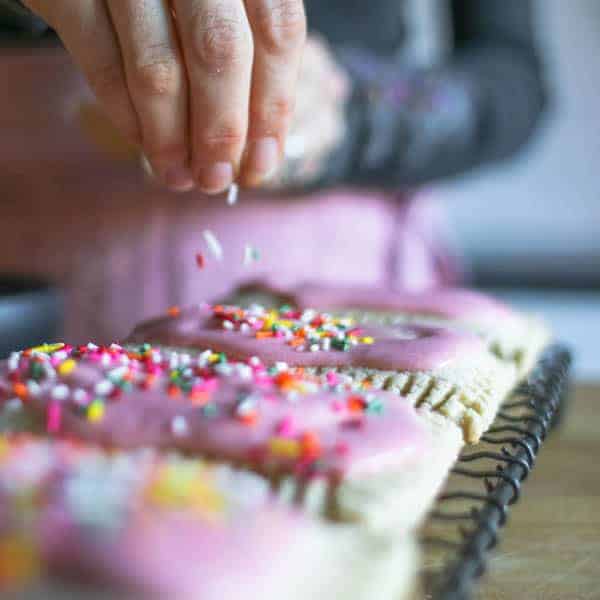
(181, 487)
(4, 447)
(19, 561)
(284, 447)
(214, 357)
(95, 411)
(48, 348)
(367, 340)
(67, 367)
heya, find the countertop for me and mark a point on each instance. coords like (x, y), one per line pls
(550, 548)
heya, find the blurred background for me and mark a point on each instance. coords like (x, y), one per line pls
(529, 229)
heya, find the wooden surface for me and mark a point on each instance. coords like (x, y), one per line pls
(550, 548)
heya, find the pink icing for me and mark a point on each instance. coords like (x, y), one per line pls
(401, 348)
(350, 432)
(135, 545)
(174, 556)
(452, 303)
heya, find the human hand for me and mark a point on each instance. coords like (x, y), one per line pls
(205, 87)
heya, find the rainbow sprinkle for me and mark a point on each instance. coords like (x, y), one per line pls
(306, 330)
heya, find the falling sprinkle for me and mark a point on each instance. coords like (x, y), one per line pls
(200, 260)
(174, 311)
(251, 255)
(213, 244)
(232, 194)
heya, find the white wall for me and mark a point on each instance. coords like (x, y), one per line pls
(542, 211)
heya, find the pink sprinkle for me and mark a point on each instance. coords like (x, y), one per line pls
(153, 369)
(338, 406)
(209, 385)
(342, 448)
(332, 378)
(285, 427)
(53, 417)
(258, 324)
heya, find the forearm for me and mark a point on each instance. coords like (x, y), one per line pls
(410, 127)
(429, 125)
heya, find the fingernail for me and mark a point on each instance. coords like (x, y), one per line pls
(263, 158)
(215, 178)
(179, 179)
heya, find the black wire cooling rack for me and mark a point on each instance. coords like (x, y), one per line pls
(464, 525)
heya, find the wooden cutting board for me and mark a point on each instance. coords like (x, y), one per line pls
(550, 549)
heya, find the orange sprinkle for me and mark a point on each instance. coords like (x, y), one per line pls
(20, 390)
(355, 404)
(285, 381)
(310, 446)
(264, 334)
(173, 391)
(199, 398)
(174, 311)
(149, 381)
(296, 342)
(249, 418)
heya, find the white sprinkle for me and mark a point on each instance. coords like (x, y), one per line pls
(185, 359)
(326, 344)
(245, 328)
(232, 194)
(244, 371)
(80, 396)
(228, 325)
(203, 358)
(281, 366)
(105, 360)
(13, 405)
(92, 347)
(173, 361)
(60, 392)
(103, 388)
(300, 348)
(223, 369)
(13, 361)
(60, 355)
(33, 389)
(213, 244)
(314, 347)
(115, 347)
(308, 315)
(117, 373)
(179, 426)
(254, 361)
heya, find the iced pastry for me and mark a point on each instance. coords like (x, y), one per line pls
(321, 441)
(448, 371)
(146, 525)
(510, 335)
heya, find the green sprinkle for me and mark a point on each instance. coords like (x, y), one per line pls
(340, 345)
(210, 410)
(36, 371)
(375, 407)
